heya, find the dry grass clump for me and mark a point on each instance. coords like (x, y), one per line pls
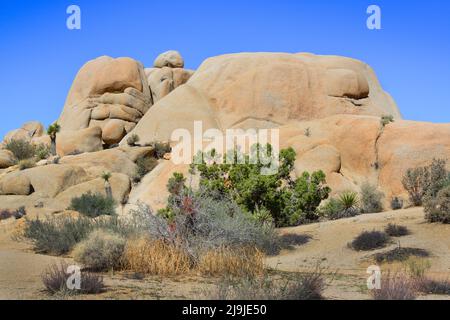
(399, 286)
(155, 257)
(232, 261)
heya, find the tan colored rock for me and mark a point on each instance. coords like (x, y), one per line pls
(85, 140)
(163, 81)
(120, 185)
(15, 184)
(28, 131)
(106, 88)
(171, 59)
(6, 159)
(111, 160)
(113, 131)
(50, 180)
(269, 90)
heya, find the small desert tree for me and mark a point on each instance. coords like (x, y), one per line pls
(52, 130)
(106, 176)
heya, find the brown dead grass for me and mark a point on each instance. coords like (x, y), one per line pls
(155, 258)
(236, 261)
(160, 258)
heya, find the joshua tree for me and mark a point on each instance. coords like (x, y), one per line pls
(106, 176)
(52, 130)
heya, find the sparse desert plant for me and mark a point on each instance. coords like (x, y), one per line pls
(398, 286)
(334, 210)
(369, 240)
(161, 148)
(57, 235)
(93, 205)
(17, 214)
(308, 132)
(396, 203)
(425, 181)
(386, 119)
(400, 254)
(438, 209)
(395, 230)
(155, 257)
(106, 176)
(42, 151)
(55, 279)
(144, 166)
(21, 149)
(349, 200)
(52, 130)
(100, 251)
(26, 164)
(301, 286)
(371, 199)
(133, 140)
(417, 267)
(433, 286)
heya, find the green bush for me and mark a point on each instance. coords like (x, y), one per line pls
(371, 199)
(101, 251)
(42, 151)
(256, 186)
(132, 140)
(386, 119)
(425, 181)
(370, 240)
(438, 209)
(161, 149)
(334, 210)
(57, 235)
(21, 149)
(93, 205)
(144, 166)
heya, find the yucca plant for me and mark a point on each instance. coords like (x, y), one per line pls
(52, 130)
(349, 200)
(106, 176)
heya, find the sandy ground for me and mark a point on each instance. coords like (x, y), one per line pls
(20, 268)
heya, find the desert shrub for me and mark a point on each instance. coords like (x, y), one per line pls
(371, 199)
(369, 240)
(438, 209)
(57, 235)
(396, 203)
(101, 251)
(433, 286)
(234, 261)
(417, 267)
(55, 279)
(17, 214)
(301, 286)
(400, 254)
(26, 164)
(133, 140)
(144, 166)
(155, 257)
(161, 148)
(256, 186)
(395, 230)
(348, 200)
(21, 149)
(396, 287)
(425, 181)
(334, 209)
(93, 205)
(42, 151)
(386, 119)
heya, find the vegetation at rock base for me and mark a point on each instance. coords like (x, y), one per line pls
(93, 205)
(371, 199)
(21, 149)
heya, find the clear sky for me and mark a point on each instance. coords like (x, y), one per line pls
(40, 57)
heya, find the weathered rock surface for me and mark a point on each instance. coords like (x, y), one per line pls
(15, 184)
(106, 88)
(6, 159)
(80, 141)
(171, 59)
(27, 132)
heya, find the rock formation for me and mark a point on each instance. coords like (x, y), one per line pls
(327, 108)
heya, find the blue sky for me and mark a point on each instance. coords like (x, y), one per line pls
(39, 56)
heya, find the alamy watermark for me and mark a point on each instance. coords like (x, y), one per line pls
(73, 22)
(374, 280)
(374, 20)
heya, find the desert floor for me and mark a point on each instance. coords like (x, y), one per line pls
(325, 244)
